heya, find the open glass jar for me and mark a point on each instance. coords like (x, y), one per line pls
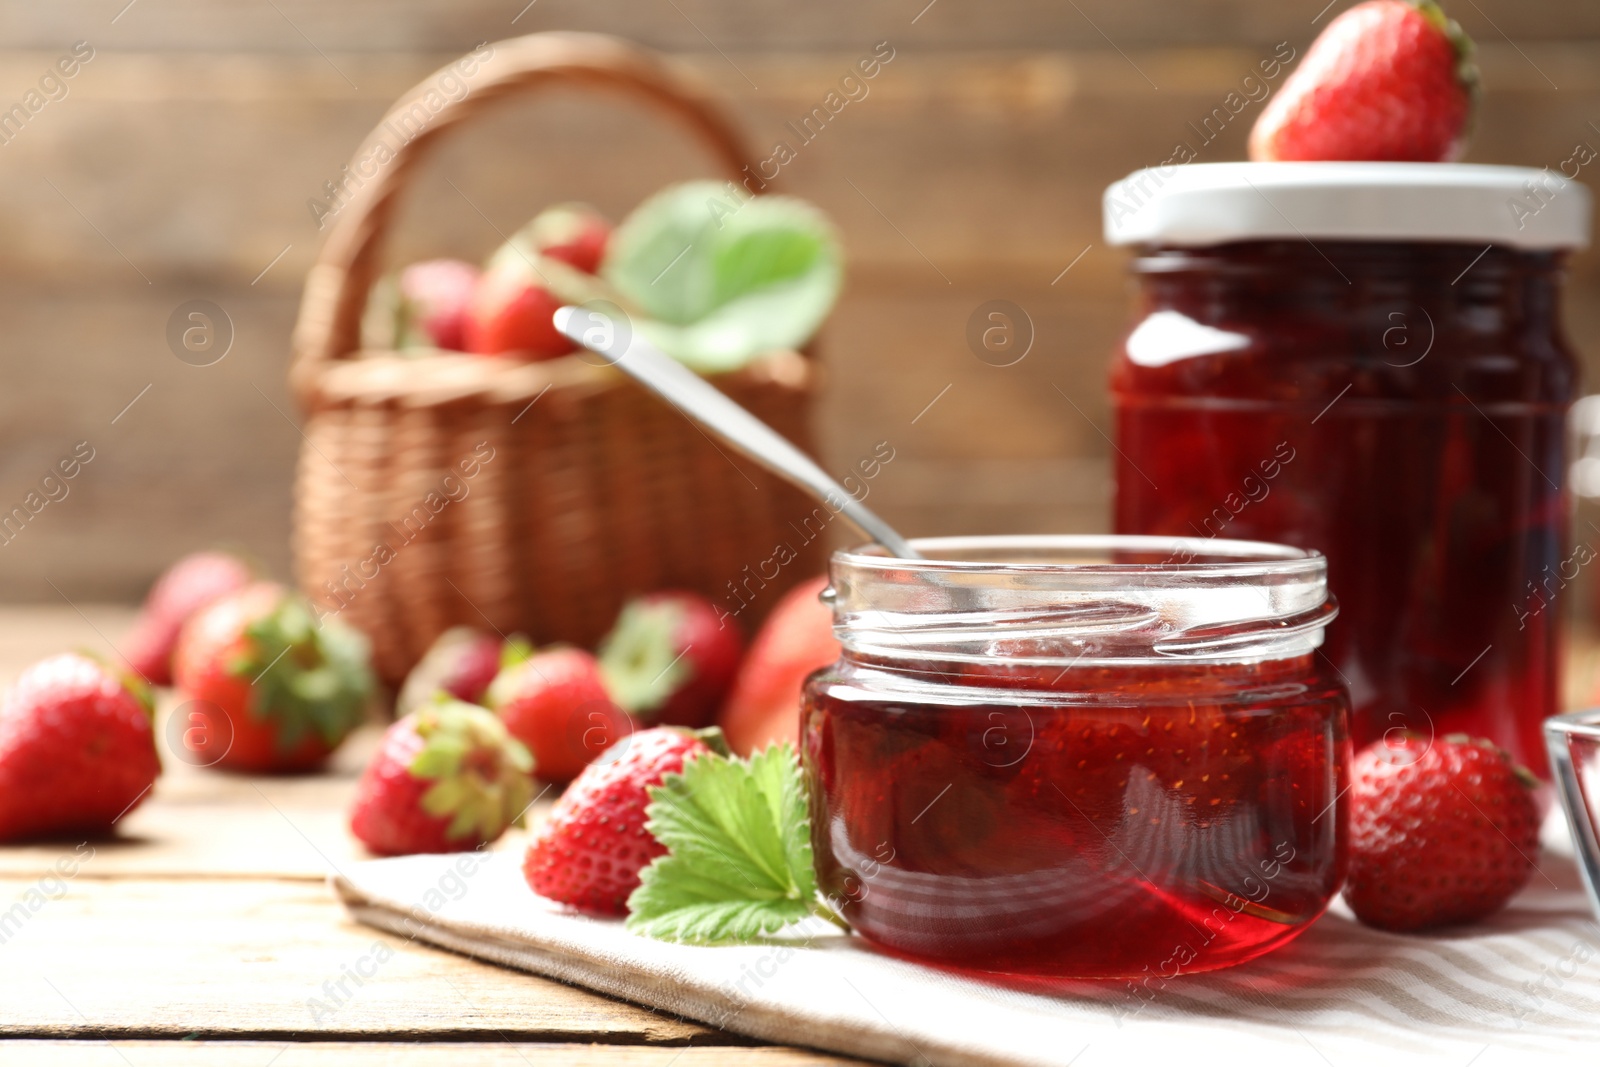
(1574, 742)
(1087, 757)
(1367, 359)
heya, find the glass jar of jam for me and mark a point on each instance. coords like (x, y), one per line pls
(1367, 359)
(1087, 757)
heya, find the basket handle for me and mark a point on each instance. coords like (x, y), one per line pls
(329, 324)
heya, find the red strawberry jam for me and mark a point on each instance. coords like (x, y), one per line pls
(1037, 791)
(1368, 360)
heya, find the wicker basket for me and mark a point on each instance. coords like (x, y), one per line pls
(531, 497)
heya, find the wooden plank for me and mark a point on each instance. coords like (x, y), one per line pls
(264, 839)
(29, 633)
(204, 823)
(1049, 129)
(148, 958)
(419, 24)
(389, 1054)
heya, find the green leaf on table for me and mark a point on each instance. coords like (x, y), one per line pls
(717, 281)
(738, 840)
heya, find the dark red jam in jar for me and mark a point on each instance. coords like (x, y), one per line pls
(1367, 359)
(1086, 757)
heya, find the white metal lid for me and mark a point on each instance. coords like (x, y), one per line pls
(1213, 203)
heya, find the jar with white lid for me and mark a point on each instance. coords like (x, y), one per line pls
(1367, 359)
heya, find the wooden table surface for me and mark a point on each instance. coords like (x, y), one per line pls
(204, 930)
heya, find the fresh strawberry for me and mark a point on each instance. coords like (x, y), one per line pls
(462, 662)
(573, 233)
(797, 638)
(447, 778)
(272, 689)
(1441, 831)
(76, 750)
(512, 314)
(556, 703)
(434, 297)
(183, 589)
(670, 658)
(589, 852)
(1387, 80)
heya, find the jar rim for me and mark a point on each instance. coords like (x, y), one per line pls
(1236, 558)
(1057, 598)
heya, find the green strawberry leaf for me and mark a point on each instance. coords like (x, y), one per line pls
(716, 281)
(738, 863)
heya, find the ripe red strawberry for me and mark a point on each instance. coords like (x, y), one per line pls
(183, 589)
(573, 233)
(589, 852)
(447, 778)
(512, 314)
(434, 296)
(796, 639)
(76, 750)
(1440, 832)
(462, 662)
(670, 658)
(272, 689)
(1387, 80)
(556, 703)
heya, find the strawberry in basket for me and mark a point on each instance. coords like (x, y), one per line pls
(511, 309)
(434, 297)
(575, 234)
(511, 314)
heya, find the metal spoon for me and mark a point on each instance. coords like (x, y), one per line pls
(697, 399)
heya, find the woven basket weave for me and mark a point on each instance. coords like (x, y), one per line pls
(558, 488)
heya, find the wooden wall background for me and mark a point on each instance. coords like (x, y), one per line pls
(179, 164)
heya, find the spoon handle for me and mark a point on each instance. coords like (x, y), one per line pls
(699, 401)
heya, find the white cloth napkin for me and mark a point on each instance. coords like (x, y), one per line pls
(1523, 988)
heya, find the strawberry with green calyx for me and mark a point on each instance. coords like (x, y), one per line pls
(446, 778)
(1441, 831)
(738, 861)
(183, 589)
(462, 662)
(1388, 80)
(670, 658)
(555, 702)
(573, 233)
(589, 852)
(77, 751)
(272, 689)
(796, 639)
